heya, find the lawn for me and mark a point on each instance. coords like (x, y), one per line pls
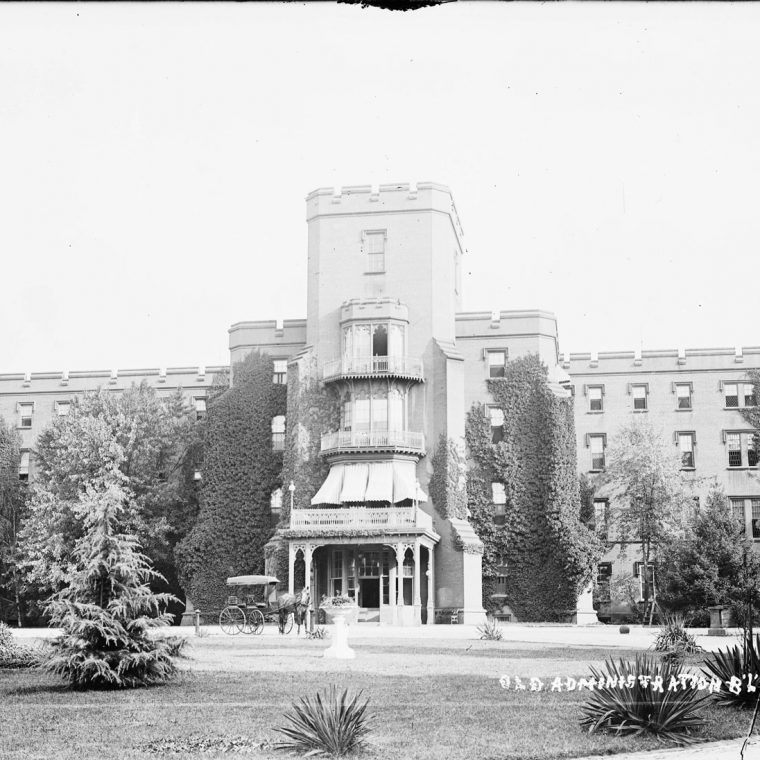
(429, 700)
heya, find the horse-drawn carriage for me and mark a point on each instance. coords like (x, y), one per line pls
(258, 604)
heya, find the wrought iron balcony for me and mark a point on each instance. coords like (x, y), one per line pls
(360, 517)
(373, 440)
(367, 366)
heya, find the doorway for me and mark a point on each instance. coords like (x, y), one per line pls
(370, 592)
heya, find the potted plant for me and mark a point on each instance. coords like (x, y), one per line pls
(340, 606)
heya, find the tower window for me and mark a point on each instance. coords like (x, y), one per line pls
(280, 371)
(496, 360)
(278, 432)
(374, 248)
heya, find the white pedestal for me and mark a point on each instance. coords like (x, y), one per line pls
(585, 614)
(340, 649)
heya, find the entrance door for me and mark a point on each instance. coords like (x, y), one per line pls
(370, 589)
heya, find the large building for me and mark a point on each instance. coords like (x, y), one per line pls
(385, 335)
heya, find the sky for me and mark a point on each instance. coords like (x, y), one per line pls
(154, 160)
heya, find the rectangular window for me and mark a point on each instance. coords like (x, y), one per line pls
(683, 395)
(496, 416)
(737, 508)
(640, 397)
(595, 398)
(499, 500)
(280, 371)
(751, 450)
(755, 518)
(603, 572)
(600, 519)
(597, 446)
(361, 415)
(732, 394)
(62, 408)
(374, 248)
(25, 412)
(278, 432)
(346, 415)
(380, 414)
(23, 467)
(686, 447)
(734, 442)
(749, 394)
(200, 407)
(496, 360)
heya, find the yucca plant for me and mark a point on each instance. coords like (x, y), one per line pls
(490, 631)
(736, 662)
(674, 641)
(668, 715)
(328, 724)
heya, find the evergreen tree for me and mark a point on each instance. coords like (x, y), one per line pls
(705, 566)
(107, 610)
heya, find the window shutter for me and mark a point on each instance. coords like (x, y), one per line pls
(585, 390)
(630, 388)
(588, 440)
(720, 386)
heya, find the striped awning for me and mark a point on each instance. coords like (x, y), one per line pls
(391, 481)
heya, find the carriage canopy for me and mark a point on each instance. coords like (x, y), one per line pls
(252, 580)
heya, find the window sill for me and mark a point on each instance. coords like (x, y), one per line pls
(640, 411)
(595, 411)
(735, 469)
(594, 471)
(680, 409)
(383, 272)
(690, 469)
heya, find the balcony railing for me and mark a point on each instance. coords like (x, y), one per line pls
(361, 517)
(352, 366)
(373, 439)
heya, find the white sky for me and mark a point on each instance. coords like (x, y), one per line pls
(154, 161)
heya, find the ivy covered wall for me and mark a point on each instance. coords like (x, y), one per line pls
(548, 553)
(313, 409)
(240, 470)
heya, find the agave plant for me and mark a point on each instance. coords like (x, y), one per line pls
(490, 631)
(667, 715)
(328, 724)
(740, 663)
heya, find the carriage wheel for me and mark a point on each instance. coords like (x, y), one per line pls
(288, 624)
(232, 620)
(254, 623)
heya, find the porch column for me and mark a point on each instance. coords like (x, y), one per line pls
(307, 554)
(417, 599)
(291, 569)
(392, 592)
(400, 551)
(431, 589)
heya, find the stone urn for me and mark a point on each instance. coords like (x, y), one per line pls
(349, 613)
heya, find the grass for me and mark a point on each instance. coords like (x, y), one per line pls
(234, 693)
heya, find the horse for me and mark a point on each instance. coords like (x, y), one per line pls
(297, 604)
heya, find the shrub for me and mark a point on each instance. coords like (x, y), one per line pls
(318, 633)
(13, 655)
(329, 724)
(729, 664)
(666, 715)
(490, 631)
